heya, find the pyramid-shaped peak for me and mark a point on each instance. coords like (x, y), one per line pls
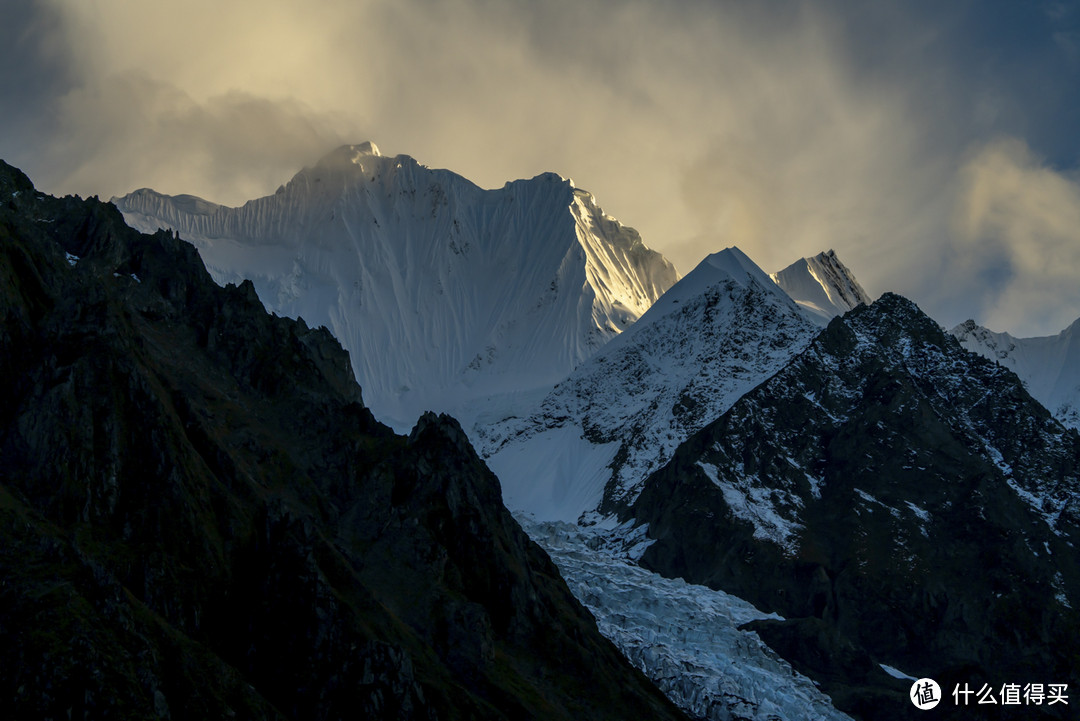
(823, 286)
(737, 265)
(733, 261)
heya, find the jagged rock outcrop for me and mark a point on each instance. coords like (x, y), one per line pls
(200, 519)
(898, 501)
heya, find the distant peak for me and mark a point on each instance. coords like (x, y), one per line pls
(967, 326)
(822, 285)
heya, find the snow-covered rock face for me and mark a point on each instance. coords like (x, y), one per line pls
(441, 291)
(1049, 366)
(589, 444)
(822, 286)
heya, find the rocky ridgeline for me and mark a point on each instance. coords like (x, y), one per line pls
(898, 501)
(200, 519)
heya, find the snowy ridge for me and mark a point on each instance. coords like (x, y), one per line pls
(441, 291)
(776, 510)
(684, 637)
(822, 286)
(590, 443)
(1049, 366)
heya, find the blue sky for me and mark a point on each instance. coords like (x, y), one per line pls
(934, 145)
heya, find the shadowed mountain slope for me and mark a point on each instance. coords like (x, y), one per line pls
(200, 519)
(898, 501)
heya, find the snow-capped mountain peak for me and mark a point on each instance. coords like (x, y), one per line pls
(734, 262)
(441, 291)
(822, 286)
(876, 471)
(1049, 366)
(366, 148)
(730, 265)
(589, 443)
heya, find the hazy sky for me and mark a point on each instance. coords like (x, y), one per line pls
(934, 145)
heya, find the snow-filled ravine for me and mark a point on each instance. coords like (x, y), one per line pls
(684, 637)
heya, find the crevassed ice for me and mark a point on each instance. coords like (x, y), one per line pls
(684, 637)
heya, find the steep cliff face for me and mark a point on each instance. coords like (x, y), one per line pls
(898, 501)
(200, 519)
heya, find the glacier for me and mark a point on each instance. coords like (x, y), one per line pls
(685, 637)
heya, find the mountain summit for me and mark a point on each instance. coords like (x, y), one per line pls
(587, 446)
(822, 286)
(441, 291)
(897, 500)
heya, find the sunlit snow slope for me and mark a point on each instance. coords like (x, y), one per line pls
(1049, 366)
(588, 445)
(441, 291)
(822, 286)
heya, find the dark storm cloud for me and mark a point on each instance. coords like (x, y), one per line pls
(35, 68)
(231, 146)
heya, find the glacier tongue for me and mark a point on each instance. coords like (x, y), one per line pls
(682, 636)
(442, 292)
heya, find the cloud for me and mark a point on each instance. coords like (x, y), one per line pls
(35, 66)
(1019, 222)
(784, 127)
(135, 132)
(628, 97)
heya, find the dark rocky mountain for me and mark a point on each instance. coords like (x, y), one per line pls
(200, 519)
(898, 501)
